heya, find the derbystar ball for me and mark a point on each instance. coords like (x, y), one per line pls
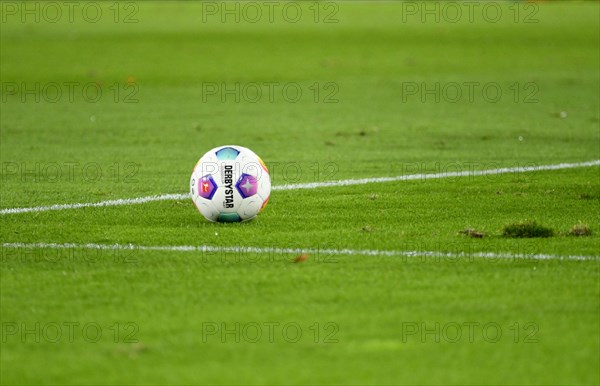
(230, 184)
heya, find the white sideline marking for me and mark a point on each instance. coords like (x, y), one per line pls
(317, 251)
(311, 185)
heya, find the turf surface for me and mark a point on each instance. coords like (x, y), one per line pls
(366, 110)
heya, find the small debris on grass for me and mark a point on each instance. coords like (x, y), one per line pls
(132, 350)
(527, 229)
(342, 134)
(373, 197)
(367, 229)
(472, 233)
(580, 230)
(560, 114)
(301, 258)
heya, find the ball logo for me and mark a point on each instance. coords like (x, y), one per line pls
(228, 182)
(207, 187)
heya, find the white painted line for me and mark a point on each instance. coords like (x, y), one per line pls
(314, 251)
(123, 201)
(431, 176)
(311, 185)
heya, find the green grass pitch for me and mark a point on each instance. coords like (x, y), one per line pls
(119, 100)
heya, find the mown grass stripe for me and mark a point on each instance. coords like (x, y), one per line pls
(311, 185)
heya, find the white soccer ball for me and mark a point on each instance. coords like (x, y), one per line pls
(230, 184)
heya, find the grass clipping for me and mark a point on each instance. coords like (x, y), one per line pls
(527, 229)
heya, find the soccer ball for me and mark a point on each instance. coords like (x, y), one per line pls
(230, 184)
